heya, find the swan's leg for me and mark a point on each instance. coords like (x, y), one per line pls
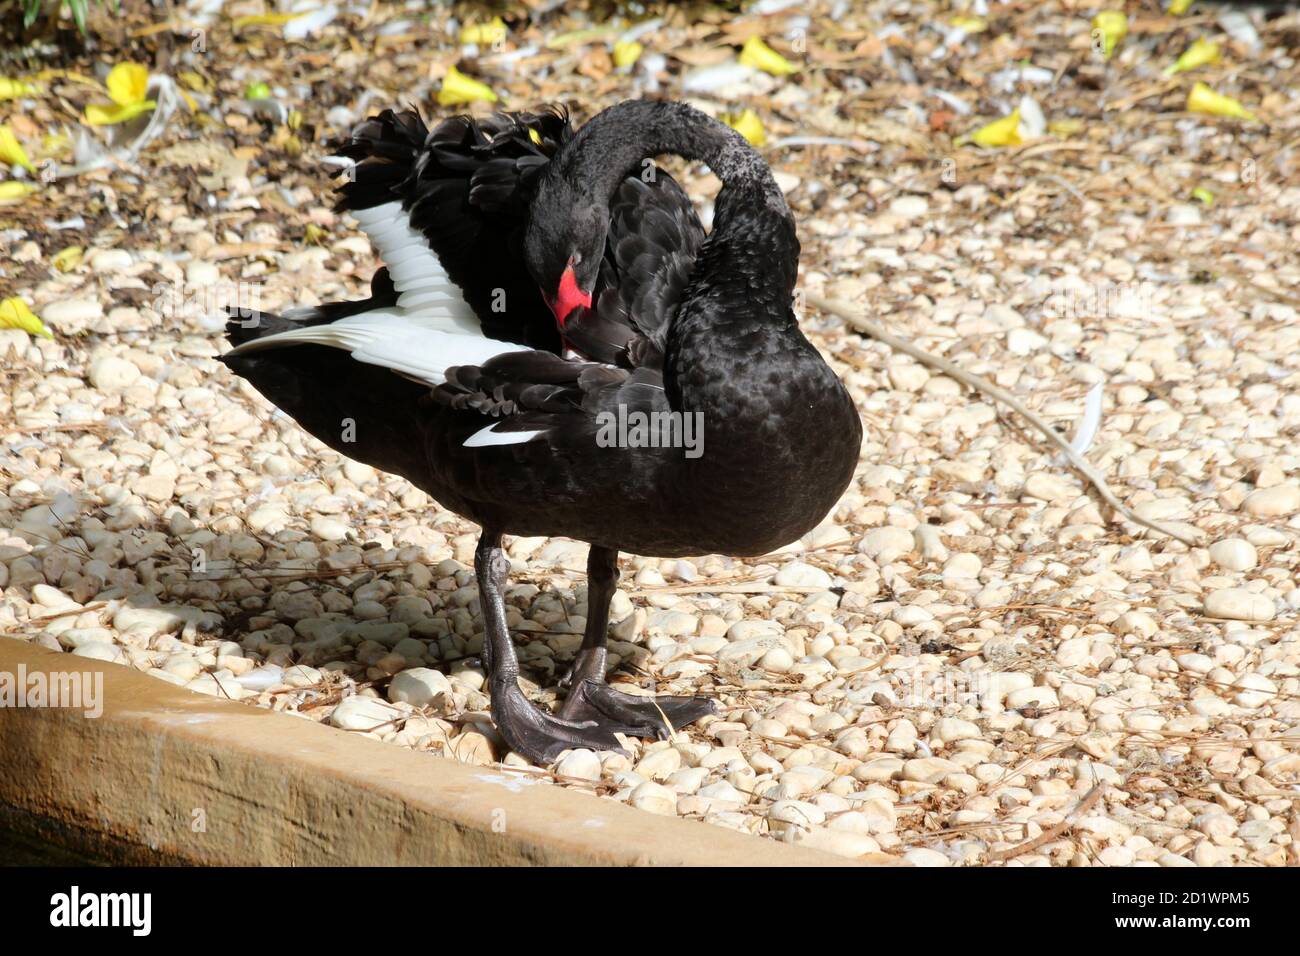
(528, 730)
(590, 697)
(602, 581)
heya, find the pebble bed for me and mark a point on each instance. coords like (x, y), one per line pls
(972, 661)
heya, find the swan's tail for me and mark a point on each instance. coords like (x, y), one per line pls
(362, 411)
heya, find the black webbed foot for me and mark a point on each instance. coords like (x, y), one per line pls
(540, 736)
(594, 700)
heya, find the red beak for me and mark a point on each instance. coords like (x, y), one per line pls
(568, 297)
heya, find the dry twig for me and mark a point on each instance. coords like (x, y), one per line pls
(875, 331)
(1050, 834)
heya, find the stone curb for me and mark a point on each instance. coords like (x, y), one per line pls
(166, 775)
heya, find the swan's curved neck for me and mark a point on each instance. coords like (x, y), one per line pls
(734, 324)
(617, 142)
(752, 252)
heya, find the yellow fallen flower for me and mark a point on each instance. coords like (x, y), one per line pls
(458, 88)
(265, 20)
(12, 152)
(1002, 132)
(1111, 26)
(760, 56)
(969, 24)
(1204, 195)
(12, 89)
(627, 52)
(65, 260)
(1202, 99)
(1065, 127)
(195, 81)
(15, 314)
(484, 34)
(13, 191)
(128, 85)
(748, 125)
(103, 114)
(1179, 7)
(44, 76)
(1200, 53)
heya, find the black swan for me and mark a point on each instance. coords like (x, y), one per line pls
(541, 285)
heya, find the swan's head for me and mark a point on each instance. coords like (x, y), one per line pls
(564, 246)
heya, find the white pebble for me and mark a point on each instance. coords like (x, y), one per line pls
(654, 798)
(909, 207)
(1272, 502)
(949, 729)
(887, 544)
(798, 574)
(962, 565)
(1238, 604)
(876, 815)
(1234, 554)
(659, 764)
(72, 315)
(1254, 690)
(1048, 487)
(364, 713)
(202, 274)
(580, 763)
(108, 261)
(1136, 622)
(329, 529)
(109, 373)
(785, 814)
(929, 542)
(418, 686)
(1038, 696)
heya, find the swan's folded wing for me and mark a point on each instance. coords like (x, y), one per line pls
(526, 396)
(654, 238)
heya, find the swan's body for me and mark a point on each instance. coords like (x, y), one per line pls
(498, 398)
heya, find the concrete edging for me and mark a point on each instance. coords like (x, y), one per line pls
(280, 790)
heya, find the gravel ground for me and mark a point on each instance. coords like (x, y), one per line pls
(971, 661)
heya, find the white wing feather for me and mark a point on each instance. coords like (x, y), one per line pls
(431, 329)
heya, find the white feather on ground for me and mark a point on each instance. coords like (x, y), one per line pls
(1090, 422)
